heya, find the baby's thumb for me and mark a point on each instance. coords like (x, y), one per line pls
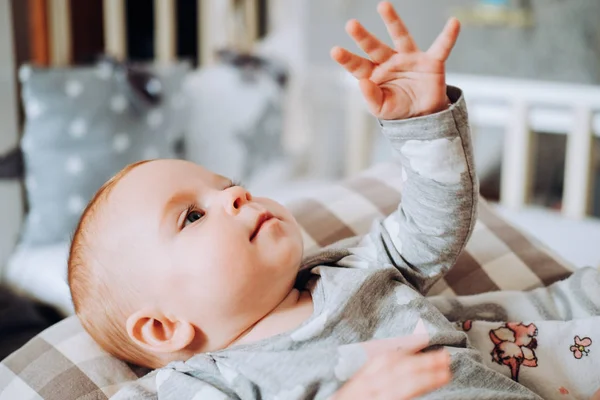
(373, 94)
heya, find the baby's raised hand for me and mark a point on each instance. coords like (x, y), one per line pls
(400, 82)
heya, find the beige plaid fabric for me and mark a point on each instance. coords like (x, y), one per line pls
(64, 363)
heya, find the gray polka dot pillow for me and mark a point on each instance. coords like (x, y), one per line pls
(82, 126)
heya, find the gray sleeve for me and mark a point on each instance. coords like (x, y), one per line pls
(176, 385)
(432, 224)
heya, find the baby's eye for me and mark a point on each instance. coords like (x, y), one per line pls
(192, 217)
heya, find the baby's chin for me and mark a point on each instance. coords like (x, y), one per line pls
(288, 247)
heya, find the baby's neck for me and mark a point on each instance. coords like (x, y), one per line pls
(296, 308)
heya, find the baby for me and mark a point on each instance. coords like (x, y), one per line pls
(177, 268)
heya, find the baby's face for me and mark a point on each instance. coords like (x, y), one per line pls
(200, 249)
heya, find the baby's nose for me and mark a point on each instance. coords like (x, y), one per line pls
(237, 196)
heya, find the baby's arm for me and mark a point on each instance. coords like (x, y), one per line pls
(433, 222)
(405, 89)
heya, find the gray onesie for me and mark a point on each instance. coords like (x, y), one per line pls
(368, 291)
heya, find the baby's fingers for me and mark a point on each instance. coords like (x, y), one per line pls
(358, 66)
(443, 45)
(424, 373)
(403, 41)
(424, 382)
(375, 48)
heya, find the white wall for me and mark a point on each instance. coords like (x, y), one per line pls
(10, 191)
(562, 44)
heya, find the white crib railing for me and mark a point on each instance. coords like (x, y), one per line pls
(521, 107)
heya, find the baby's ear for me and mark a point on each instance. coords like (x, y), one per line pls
(157, 333)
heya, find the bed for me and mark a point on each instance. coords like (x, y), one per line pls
(499, 257)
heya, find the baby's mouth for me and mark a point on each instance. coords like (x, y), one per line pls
(262, 218)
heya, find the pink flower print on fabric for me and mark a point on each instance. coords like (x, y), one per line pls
(514, 346)
(580, 347)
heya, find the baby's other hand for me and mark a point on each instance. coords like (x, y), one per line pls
(398, 376)
(400, 82)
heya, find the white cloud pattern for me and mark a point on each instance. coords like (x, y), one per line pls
(162, 377)
(440, 159)
(209, 393)
(312, 329)
(393, 227)
(228, 373)
(296, 392)
(351, 358)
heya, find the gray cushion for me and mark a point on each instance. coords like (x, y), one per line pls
(82, 127)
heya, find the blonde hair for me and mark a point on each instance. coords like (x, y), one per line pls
(97, 303)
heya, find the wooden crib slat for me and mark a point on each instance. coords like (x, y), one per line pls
(578, 168)
(206, 10)
(213, 29)
(165, 33)
(115, 29)
(251, 33)
(515, 186)
(38, 32)
(61, 48)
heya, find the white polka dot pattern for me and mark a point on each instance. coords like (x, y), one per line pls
(74, 165)
(34, 109)
(75, 204)
(81, 128)
(104, 71)
(118, 103)
(73, 88)
(24, 73)
(121, 142)
(78, 128)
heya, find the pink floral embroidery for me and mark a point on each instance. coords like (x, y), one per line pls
(579, 349)
(563, 390)
(514, 346)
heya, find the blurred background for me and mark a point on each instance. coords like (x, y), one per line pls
(247, 88)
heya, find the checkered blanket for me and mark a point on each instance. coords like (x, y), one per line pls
(64, 363)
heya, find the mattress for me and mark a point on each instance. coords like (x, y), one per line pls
(577, 241)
